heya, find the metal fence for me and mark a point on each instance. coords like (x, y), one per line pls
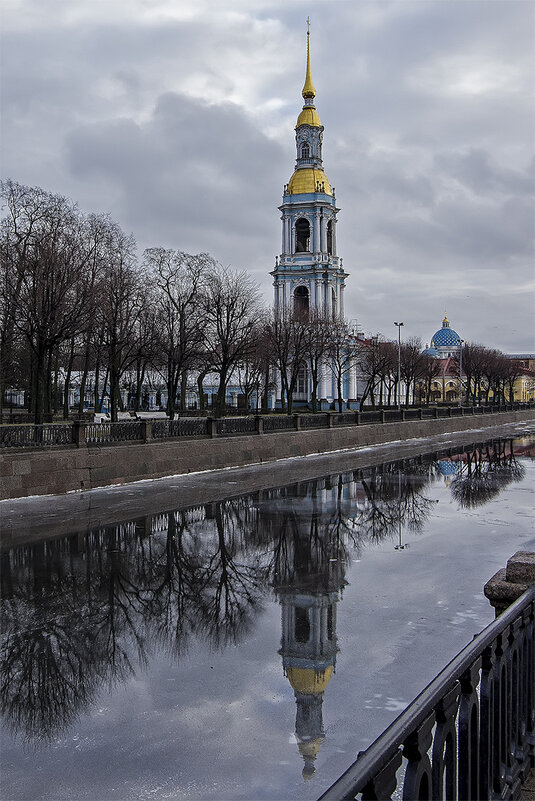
(470, 734)
(30, 436)
(106, 433)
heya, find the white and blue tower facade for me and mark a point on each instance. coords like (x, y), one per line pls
(308, 274)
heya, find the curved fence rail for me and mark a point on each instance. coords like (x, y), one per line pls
(106, 433)
(470, 734)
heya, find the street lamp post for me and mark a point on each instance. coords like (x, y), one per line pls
(399, 364)
(461, 343)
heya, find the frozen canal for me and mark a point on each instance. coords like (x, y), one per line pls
(248, 648)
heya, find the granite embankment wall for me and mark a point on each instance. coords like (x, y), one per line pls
(57, 471)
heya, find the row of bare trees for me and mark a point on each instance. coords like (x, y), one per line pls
(74, 299)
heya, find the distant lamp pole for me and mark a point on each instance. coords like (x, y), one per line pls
(461, 343)
(399, 364)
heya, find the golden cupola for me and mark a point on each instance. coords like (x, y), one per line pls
(308, 176)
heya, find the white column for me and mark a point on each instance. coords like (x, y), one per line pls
(323, 233)
(287, 243)
(353, 381)
(319, 295)
(285, 293)
(324, 370)
(328, 299)
(283, 235)
(317, 231)
(341, 299)
(334, 235)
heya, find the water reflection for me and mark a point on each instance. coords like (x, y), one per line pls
(86, 612)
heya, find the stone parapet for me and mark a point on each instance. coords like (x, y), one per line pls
(510, 582)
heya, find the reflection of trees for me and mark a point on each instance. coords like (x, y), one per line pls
(393, 498)
(486, 472)
(78, 616)
(84, 612)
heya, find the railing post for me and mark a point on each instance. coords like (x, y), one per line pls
(147, 430)
(78, 434)
(259, 424)
(297, 422)
(420, 414)
(357, 418)
(436, 412)
(331, 420)
(382, 415)
(211, 426)
(403, 415)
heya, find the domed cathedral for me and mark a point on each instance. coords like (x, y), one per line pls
(308, 274)
(445, 342)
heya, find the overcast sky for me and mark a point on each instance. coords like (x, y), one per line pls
(177, 117)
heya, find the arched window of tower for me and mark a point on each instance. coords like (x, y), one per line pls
(302, 625)
(305, 151)
(301, 301)
(302, 235)
(330, 237)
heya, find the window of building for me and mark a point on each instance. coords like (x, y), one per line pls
(305, 151)
(301, 301)
(302, 235)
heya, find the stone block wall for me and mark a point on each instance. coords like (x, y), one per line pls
(55, 471)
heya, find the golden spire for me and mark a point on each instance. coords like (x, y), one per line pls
(308, 89)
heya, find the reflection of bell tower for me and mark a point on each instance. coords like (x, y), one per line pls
(308, 578)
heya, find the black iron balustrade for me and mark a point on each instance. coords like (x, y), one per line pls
(104, 433)
(470, 734)
(315, 420)
(235, 425)
(40, 436)
(100, 434)
(279, 422)
(180, 427)
(372, 417)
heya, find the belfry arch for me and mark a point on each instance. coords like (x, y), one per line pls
(302, 235)
(301, 302)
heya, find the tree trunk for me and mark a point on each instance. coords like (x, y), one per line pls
(67, 382)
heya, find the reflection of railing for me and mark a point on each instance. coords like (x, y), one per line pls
(470, 733)
(98, 434)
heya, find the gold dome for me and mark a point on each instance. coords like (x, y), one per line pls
(309, 116)
(309, 181)
(310, 748)
(309, 680)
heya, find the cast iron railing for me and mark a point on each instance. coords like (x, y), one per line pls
(470, 734)
(131, 430)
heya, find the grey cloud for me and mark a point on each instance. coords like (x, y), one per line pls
(187, 174)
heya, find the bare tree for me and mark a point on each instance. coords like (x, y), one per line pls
(341, 355)
(181, 280)
(230, 307)
(121, 301)
(287, 334)
(318, 338)
(46, 250)
(413, 364)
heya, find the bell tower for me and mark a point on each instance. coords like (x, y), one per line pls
(308, 274)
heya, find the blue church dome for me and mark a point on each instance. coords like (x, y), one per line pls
(431, 352)
(445, 337)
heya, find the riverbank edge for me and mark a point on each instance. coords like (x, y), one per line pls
(56, 472)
